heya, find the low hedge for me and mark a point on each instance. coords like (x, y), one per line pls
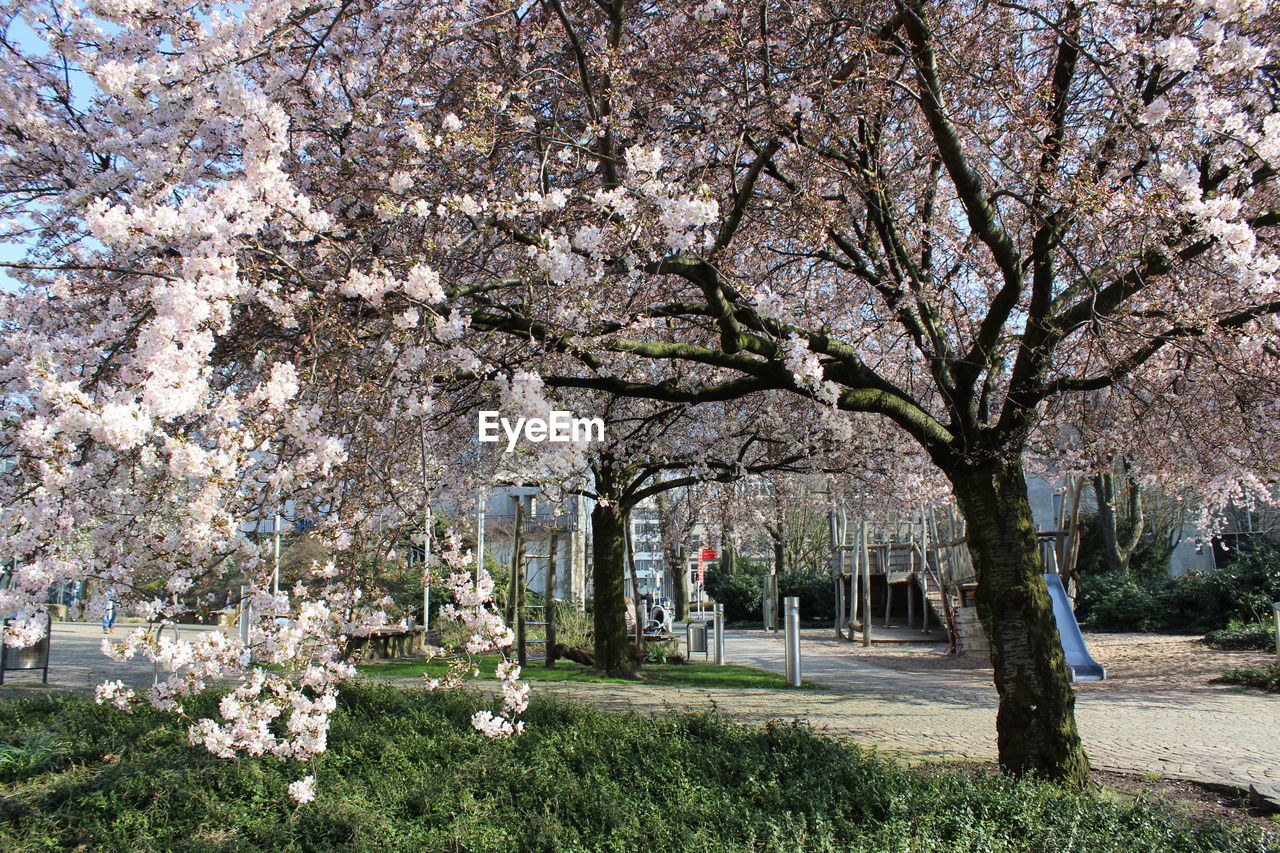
(405, 771)
(1264, 678)
(742, 594)
(1256, 636)
(1194, 603)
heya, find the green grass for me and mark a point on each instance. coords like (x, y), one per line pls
(405, 772)
(671, 674)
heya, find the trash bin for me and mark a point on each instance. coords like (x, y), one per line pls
(696, 638)
(35, 656)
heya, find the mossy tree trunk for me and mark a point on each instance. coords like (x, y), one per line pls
(1118, 544)
(674, 556)
(608, 543)
(1035, 726)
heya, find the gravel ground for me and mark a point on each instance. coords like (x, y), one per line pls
(1150, 663)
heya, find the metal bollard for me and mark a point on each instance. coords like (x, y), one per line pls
(791, 607)
(719, 620)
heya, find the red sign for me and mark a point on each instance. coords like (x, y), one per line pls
(704, 555)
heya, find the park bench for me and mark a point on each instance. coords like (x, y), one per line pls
(384, 643)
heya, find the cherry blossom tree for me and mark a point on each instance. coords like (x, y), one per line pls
(964, 218)
(973, 220)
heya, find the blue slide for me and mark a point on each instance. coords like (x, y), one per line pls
(1083, 667)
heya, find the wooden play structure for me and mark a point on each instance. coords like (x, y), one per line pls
(915, 573)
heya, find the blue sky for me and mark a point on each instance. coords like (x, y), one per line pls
(13, 251)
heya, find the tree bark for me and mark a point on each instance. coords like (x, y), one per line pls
(609, 619)
(1118, 553)
(1035, 726)
(779, 562)
(674, 557)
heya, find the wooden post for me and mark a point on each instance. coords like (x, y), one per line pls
(483, 502)
(855, 577)
(839, 579)
(866, 587)
(549, 603)
(888, 598)
(521, 653)
(837, 569)
(637, 606)
(517, 546)
(911, 603)
(1275, 612)
(926, 519)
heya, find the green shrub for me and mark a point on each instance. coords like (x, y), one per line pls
(1110, 603)
(814, 588)
(37, 752)
(1194, 603)
(405, 771)
(1238, 636)
(1265, 678)
(573, 626)
(740, 594)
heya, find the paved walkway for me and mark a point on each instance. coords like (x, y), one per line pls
(1207, 735)
(76, 661)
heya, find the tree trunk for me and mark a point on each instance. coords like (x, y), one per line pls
(674, 557)
(1036, 726)
(1118, 553)
(779, 563)
(609, 618)
(1104, 491)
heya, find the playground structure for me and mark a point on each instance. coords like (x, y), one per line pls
(918, 570)
(909, 573)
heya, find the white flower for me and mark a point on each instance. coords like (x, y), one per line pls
(798, 103)
(1179, 53)
(451, 123)
(644, 159)
(122, 425)
(400, 182)
(282, 386)
(423, 283)
(114, 693)
(304, 790)
(491, 725)
(1157, 112)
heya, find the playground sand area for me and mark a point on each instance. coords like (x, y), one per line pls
(1149, 663)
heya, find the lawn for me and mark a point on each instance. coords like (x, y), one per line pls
(672, 674)
(405, 772)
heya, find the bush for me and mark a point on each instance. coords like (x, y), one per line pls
(1194, 603)
(1150, 559)
(1110, 603)
(741, 594)
(1264, 678)
(405, 771)
(573, 626)
(814, 588)
(1238, 636)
